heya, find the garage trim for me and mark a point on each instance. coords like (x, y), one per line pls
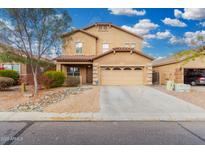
(121, 70)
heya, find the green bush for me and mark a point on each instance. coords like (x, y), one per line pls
(10, 74)
(52, 79)
(6, 82)
(72, 81)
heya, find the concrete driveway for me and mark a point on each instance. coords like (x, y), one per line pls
(144, 103)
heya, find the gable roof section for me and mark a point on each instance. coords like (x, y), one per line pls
(165, 61)
(117, 27)
(171, 59)
(123, 49)
(90, 58)
(78, 30)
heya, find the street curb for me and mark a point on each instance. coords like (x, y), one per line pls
(94, 117)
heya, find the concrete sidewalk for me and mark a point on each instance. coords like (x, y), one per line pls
(39, 116)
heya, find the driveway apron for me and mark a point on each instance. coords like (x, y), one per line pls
(131, 101)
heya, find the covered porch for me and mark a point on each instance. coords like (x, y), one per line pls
(76, 65)
(83, 70)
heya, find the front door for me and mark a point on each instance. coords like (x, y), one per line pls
(89, 74)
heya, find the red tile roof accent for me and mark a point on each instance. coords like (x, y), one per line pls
(74, 58)
(123, 49)
(85, 58)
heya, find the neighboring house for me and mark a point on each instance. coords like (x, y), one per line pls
(171, 68)
(24, 70)
(105, 54)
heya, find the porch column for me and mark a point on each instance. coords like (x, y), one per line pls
(149, 74)
(95, 74)
(58, 67)
(64, 70)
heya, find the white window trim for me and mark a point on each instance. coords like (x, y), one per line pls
(103, 48)
(82, 47)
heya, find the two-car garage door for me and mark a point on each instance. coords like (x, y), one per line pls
(121, 76)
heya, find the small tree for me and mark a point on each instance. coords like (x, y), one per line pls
(34, 32)
(193, 54)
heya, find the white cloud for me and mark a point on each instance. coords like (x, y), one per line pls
(127, 11)
(163, 35)
(189, 38)
(174, 22)
(175, 40)
(160, 57)
(141, 28)
(145, 44)
(177, 13)
(149, 36)
(159, 35)
(193, 13)
(202, 24)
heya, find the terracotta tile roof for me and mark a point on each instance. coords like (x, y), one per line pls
(84, 58)
(124, 49)
(78, 30)
(74, 58)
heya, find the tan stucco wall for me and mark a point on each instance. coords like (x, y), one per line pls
(198, 63)
(115, 38)
(174, 72)
(89, 44)
(166, 72)
(121, 59)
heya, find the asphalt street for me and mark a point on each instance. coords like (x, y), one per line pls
(102, 133)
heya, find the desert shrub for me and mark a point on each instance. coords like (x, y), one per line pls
(6, 82)
(10, 74)
(52, 79)
(72, 81)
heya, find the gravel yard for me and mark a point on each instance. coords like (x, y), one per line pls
(63, 99)
(195, 96)
(87, 101)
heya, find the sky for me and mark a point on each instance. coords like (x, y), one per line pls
(165, 31)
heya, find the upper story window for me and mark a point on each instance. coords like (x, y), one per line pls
(79, 47)
(105, 47)
(130, 45)
(133, 45)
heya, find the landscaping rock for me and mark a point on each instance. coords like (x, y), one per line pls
(51, 97)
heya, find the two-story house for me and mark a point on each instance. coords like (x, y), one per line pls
(105, 54)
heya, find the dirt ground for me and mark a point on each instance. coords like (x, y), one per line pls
(13, 97)
(9, 99)
(87, 101)
(195, 96)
